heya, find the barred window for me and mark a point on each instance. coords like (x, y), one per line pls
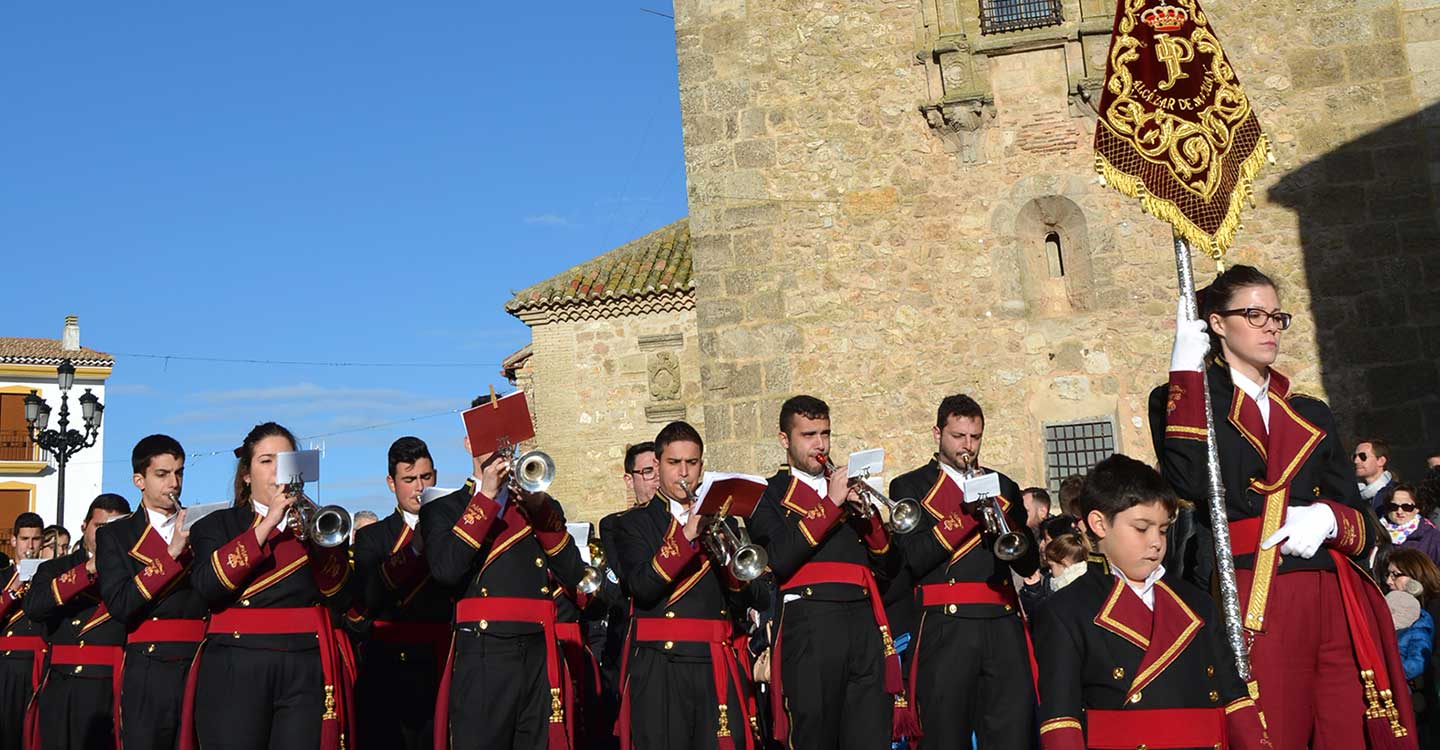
(999, 16)
(1075, 447)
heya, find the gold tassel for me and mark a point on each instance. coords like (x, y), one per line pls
(1391, 713)
(329, 714)
(557, 707)
(1373, 710)
(889, 643)
(724, 730)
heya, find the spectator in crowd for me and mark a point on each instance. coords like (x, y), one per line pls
(1036, 589)
(54, 542)
(1055, 526)
(363, 518)
(1070, 495)
(1066, 557)
(1372, 461)
(1410, 570)
(1037, 506)
(1405, 522)
(1414, 630)
(1432, 462)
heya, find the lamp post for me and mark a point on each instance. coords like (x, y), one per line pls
(64, 442)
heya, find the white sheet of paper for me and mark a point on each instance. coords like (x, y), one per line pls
(867, 463)
(435, 493)
(292, 464)
(580, 532)
(194, 513)
(984, 486)
(27, 568)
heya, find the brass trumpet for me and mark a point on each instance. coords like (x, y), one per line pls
(1010, 545)
(731, 548)
(327, 526)
(594, 575)
(531, 472)
(904, 513)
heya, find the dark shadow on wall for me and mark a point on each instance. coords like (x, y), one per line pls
(1370, 235)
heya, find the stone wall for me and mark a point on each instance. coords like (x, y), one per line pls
(872, 185)
(599, 385)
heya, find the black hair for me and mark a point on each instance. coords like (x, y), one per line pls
(677, 432)
(958, 405)
(246, 453)
(151, 446)
(1217, 296)
(805, 406)
(109, 502)
(1039, 493)
(634, 451)
(1119, 483)
(27, 520)
(1379, 447)
(1055, 526)
(407, 450)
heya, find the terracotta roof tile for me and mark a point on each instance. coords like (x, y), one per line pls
(22, 351)
(656, 263)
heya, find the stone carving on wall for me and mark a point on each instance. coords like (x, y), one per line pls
(960, 125)
(1085, 98)
(662, 368)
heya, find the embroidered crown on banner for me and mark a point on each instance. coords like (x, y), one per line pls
(1165, 18)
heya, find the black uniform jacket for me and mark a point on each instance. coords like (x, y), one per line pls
(1099, 647)
(669, 576)
(139, 580)
(65, 600)
(795, 532)
(232, 569)
(950, 544)
(475, 550)
(1301, 444)
(392, 580)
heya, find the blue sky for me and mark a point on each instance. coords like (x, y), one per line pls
(319, 181)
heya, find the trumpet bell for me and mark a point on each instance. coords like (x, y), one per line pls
(749, 562)
(1011, 546)
(905, 516)
(534, 471)
(590, 581)
(329, 526)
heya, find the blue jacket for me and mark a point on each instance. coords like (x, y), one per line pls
(1416, 642)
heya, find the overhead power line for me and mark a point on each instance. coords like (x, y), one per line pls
(296, 362)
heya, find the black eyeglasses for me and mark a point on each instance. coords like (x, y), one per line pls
(1361, 456)
(1258, 318)
(1407, 507)
(647, 472)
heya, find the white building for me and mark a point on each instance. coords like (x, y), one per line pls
(29, 477)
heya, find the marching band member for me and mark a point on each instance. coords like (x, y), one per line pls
(642, 479)
(272, 672)
(22, 642)
(506, 677)
(838, 679)
(73, 709)
(1128, 652)
(682, 684)
(410, 630)
(1322, 651)
(143, 564)
(970, 669)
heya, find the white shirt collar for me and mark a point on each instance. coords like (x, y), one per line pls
(813, 481)
(1260, 392)
(410, 518)
(1146, 590)
(955, 474)
(1368, 491)
(677, 509)
(264, 510)
(164, 525)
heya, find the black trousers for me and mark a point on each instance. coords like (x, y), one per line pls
(973, 675)
(14, 697)
(673, 705)
(834, 676)
(499, 693)
(257, 699)
(150, 700)
(76, 711)
(395, 696)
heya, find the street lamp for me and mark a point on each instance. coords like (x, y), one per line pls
(63, 442)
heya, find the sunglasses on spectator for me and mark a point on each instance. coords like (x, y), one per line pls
(1258, 318)
(1361, 456)
(1407, 507)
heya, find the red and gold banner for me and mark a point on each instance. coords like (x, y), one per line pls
(1175, 128)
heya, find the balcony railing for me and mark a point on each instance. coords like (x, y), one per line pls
(15, 445)
(998, 16)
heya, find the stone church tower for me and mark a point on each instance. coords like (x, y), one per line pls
(894, 200)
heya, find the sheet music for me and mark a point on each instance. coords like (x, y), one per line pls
(869, 466)
(194, 513)
(27, 568)
(580, 532)
(711, 477)
(435, 493)
(290, 465)
(981, 487)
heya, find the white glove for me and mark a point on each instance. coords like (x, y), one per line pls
(1306, 527)
(1192, 342)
